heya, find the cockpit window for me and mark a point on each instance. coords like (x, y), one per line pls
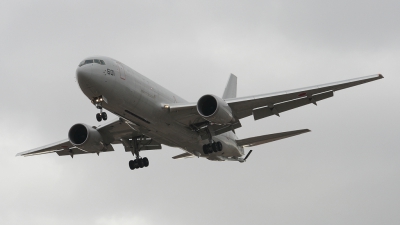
(88, 61)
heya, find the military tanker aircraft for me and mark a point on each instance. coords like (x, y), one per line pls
(150, 116)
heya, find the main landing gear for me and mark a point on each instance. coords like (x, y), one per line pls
(98, 103)
(138, 163)
(212, 147)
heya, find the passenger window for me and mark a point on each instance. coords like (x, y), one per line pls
(102, 62)
(97, 61)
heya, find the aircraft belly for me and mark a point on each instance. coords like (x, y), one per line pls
(140, 101)
(155, 123)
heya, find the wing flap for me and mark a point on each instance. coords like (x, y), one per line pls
(72, 151)
(54, 147)
(254, 141)
(282, 107)
(76, 151)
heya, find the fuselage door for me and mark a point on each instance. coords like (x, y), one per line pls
(121, 70)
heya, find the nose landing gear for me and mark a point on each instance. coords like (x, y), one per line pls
(101, 116)
(98, 103)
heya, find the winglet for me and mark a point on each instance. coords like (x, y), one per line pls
(231, 88)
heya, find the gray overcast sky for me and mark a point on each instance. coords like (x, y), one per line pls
(346, 171)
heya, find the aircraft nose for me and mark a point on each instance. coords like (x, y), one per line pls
(84, 75)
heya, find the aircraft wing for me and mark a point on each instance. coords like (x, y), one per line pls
(112, 133)
(264, 105)
(244, 106)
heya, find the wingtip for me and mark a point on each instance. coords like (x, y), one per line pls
(380, 76)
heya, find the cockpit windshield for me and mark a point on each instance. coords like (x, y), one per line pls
(89, 61)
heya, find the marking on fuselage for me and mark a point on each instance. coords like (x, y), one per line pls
(109, 72)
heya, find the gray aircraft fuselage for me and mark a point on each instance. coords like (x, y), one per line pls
(134, 97)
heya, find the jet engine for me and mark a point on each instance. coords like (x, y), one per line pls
(215, 110)
(86, 138)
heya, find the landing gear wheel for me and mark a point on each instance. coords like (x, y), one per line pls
(98, 117)
(214, 147)
(104, 115)
(145, 162)
(205, 149)
(131, 165)
(140, 162)
(135, 164)
(219, 146)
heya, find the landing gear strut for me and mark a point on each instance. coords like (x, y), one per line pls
(212, 147)
(98, 103)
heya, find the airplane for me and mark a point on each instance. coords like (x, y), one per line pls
(150, 116)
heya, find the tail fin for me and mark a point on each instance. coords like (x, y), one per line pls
(231, 88)
(248, 142)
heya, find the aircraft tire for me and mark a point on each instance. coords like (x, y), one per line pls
(146, 162)
(219, 146)
(131, 165)
(214, 147)
(141, 163)
(104, 115)
(136, 164)
(205, 149)
(98, 117)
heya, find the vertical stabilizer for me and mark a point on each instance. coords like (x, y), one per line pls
(231, 88)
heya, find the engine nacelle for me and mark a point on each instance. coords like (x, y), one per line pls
(215, 110)
(86, 138)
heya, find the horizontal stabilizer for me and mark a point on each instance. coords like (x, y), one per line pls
(254, 141)
(184, 155)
